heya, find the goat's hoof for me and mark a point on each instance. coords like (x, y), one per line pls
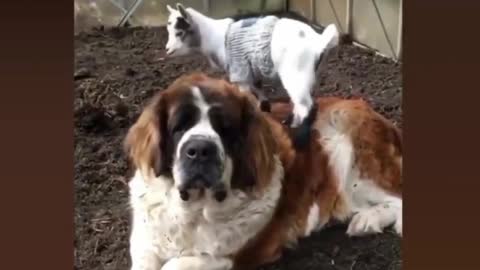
(289, 120)
(265, 106)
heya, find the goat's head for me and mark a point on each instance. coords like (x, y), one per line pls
(183, 34)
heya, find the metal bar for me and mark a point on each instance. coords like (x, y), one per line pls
(206, 6)
(263, 4)
(349, 17)
(129, 13)
(336, 16)
(120, 6)
(384, 30)
(312, 11)
(400, 31)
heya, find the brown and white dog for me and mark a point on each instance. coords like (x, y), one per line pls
(218, 184)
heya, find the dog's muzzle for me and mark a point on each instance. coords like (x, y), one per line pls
(202, 168)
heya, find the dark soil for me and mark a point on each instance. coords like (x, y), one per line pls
(117, 71)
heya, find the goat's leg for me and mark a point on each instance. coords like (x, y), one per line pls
(263, 102)
(298, 86)
(262, 98)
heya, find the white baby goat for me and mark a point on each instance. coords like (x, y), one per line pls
(255, 49)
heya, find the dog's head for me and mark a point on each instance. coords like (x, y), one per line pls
(183, 35)
(204, 134)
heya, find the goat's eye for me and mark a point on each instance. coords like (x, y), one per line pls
(179, 34)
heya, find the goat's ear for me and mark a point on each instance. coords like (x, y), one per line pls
(182, 11)
(170, 9)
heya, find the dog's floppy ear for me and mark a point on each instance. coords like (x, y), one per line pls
(183, 11)
(256, 163)
(145, 143)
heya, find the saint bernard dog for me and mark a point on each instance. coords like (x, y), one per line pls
(219, 185)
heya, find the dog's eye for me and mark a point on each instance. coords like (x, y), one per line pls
(220, 121)
(182, 124)
(179, 128)
(185, 118)
(179, 34)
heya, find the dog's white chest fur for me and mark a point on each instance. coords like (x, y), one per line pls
(169, 227)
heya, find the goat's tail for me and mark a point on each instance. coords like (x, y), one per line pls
(331, 36)
(327, 40)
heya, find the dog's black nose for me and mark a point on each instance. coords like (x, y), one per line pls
(200, 150)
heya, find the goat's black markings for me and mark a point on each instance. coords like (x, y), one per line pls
(182, 24)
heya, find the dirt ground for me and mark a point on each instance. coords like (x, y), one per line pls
(118, 70)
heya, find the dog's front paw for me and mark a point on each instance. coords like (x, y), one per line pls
(376, 219)
(174, 264)
(197, 263)
(399, 226)
(365, 222)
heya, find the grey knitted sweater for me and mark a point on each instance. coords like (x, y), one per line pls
(247, 45)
